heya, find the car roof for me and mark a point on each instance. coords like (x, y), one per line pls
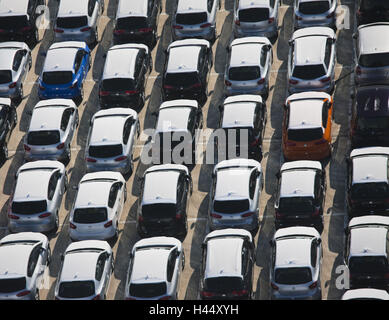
(296, 231)
(7, 57)
(314, 31)
(188, 6)
(78, 266)
(88, 244)
(305, 114)
(369, 240)
(14, 260)
(309, 50)
(308, 95)
(232, 184)
(246, 4)
(183, 59)
(369, 39)
(364, 171)
(247, 51)
(160, 187)
(293, 252)
(301, 164)
(132, 8)
(12, 7)
(229, 232)
(173, 118)
(60, 59)
(74, 8)
(369, 220)
(239, 114)
(366, 293)
(373, 100)
(298, 183)
(47, 117)
(24, 236)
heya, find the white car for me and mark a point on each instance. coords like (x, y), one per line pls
(366, 294)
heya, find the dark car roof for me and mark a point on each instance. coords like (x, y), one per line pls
(373, 100)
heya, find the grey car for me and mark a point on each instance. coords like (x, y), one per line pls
(255, 18)
(372, 54)
(78, 20)
(312, 60)
(37, 197)
(314, 13)
(52, 127)
(15, 62)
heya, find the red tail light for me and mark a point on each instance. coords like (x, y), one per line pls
(72, 226)
(165, 298)
(227, 83)
(316, 212)
(90, 160)
(23, 293)
(145, 30)
(255, 142)
(359, 13)
(44, 215)
(178, 216)
(216, 216)
(279, 215)
(104, 93)
(74, 85)
(131, 92)
(358, 70)
(325, 80)
(261, 81)
(12, 216)
(274, 286)
(85, 29)
(313, 285)
(12, 85)
(129, 299)
(196, 85)
(2, 30)
(121, 158)
(239, 293)
(330, 15)
(41, 87)
(26, 148)
(207, 294)
(119, 31)
(298, 18)
(108, 224)
(140, 218)
(290, 144)
(248, 214)
(25, 29)
(168, 87)
(322, 141)
(60, 146)
(386, 275)
(56, 30)
(292, 81)
(237, 22)
(178, 27)
(97, 297)
(271, 20)
(205, 25)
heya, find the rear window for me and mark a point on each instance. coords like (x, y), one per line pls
(12, 285)
(223, 284)
(43, 138)
(374, 60)
(159, 211)
(90, 215)
(118, 84)
(231, 206)
(370, 190)
(314, 7)
(371, 265)
(181, 79)
(57, 77)
(244, 73)
(29, 207)
(368, 5)
(76, 289)
(253, 14)
(309, 72)
(72, 22)
(5, 76)
(296, 205)
(148, 290)
(106, 151)
(13, 22)
(372, 123)
(131, 23)
(293, 275)
(191, 18)
(305, 134)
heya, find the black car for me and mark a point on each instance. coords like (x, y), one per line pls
(370, 11)
(8, 120)
(164, 201)
(137, 21)
(18, 20)
(124, 76)
(370, 116)
(187, 67)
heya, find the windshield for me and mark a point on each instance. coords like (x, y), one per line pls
(13, 22)
(370, 190)
(314, 7)
(305, 134)
(131, 23)
(106, 151)
(372, 123)
(117, 84)
(5, 76)
(76, 289)
(367, 5)
(159, 211)
(72, 22)
(244, 73)
(253, 14)
(57, 77)
(223, 284)
(309, 72)
(231, 206)
(148, 290)
(43, 138)
(296, 205)
(181, 79)
(12, 285)
(293, 275)
(90, 215)
(191, 18)
(29, 207)
(374, 60)
(370, 265)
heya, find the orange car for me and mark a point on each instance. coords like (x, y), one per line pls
(306, 131)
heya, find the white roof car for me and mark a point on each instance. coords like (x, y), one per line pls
(239, 111)
(7, 53)
(132, 8)
(174, 115)
(366, 294)
(247, 51)
(246, 4)
(369, 38)
(11, 7)
(305, 114)
(61, 55)
(188, 6)
(77, 8)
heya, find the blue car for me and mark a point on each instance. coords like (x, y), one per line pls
(64, 72)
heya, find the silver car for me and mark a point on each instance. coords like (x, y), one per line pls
(312, 60)
(24, 258)
(154, 270)
(85, 272)
(372, 54)
(15, 62)
(248, 67)
(78, 20)
(314, 13)
(255, 18)
(98, 206)
(296, 257)
(37, 197)
(111, 140)
(52, 127)
(235, 193)
(195, 19)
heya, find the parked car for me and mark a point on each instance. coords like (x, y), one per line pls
(137, 21)
(256, 18)
(195, 19)
(315, 13)
(85, 271)
(248, 67)
(15, 62)
(37, 197)
(164, 201)
(372, 54)
(98, 206)
(187, 67)
(124, 76)
(367, 181)
(300, 195)
(306, 126)
(365, 294)
(227, 268)
(370, 11)
(242, 116)
(312, 60)
(178, 122)
(370, 116)
(64, 71)
(154, 270)
(111, 140)
(234, 197)
(366, 252)
(8, 121)
(18, 20)
(51, 131)
(78, 21)
(24, 258)
(295, 266)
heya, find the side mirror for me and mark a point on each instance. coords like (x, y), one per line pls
(285, 106)
(318, 241)
(290, 42)
(355, 35)
(278, 175)
(75, 187)
(131, 255)
(271, 242)
(203, 245)
(104, 55)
